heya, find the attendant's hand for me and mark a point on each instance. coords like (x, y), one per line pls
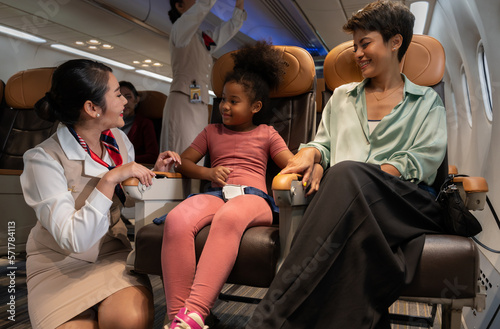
(219, 174)
(166, 160)
(239, 4)
(117, 175)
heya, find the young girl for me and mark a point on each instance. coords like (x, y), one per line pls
(239, 151)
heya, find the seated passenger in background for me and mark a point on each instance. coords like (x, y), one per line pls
(139, 129)
(382, 141)
(76, 253)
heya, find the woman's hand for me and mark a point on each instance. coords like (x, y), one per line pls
(219, 175)
(303, 163)
(128, 170)
(166, 160)
(316, 175)
(117, 175)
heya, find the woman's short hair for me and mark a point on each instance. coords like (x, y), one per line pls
(73, 83)
(386, 17)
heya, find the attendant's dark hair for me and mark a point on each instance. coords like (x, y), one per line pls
(73, 83)
(259, 68)
(386, 17)
(173, 13)
(130, 86)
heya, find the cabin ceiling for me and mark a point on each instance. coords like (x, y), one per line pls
(139, 29)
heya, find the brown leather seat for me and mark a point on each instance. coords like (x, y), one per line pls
(151, 106)
(292, 114)
(21, 128)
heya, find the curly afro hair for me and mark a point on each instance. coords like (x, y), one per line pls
(259, 68)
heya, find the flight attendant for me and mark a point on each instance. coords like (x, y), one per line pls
(76, 252)
(381, 142)
(186, 110)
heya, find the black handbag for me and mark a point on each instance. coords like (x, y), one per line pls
(458, 220)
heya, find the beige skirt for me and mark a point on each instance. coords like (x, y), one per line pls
(61, 287)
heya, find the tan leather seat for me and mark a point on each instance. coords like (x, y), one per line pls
(151, 106)
(20, 127)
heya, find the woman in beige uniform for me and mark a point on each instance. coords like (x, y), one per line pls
(76, 253)
(186, 111)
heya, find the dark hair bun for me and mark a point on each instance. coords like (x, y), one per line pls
(46, 108)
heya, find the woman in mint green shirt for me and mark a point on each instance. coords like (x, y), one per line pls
(381, 142)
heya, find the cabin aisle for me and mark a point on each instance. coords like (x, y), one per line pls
(231, 315)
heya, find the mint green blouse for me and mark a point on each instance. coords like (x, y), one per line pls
(412, 137)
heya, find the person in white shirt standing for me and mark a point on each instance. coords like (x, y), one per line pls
(186, 110)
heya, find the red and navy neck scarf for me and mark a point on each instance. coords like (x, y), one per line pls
(208, 41)
(109, 142)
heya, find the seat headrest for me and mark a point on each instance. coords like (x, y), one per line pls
(151, 104)
(423, 63)
(299, 72)
(25, 88)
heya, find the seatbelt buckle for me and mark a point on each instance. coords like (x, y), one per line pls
(230, 191)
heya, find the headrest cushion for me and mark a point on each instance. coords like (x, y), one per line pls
(423, 63)
(25, 88)
(151, 104)
(299, 72)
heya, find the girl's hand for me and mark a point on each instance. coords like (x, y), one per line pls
(219, 174)
(315, 179)
(166, 160)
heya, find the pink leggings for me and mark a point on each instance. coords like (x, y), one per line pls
(197, 288)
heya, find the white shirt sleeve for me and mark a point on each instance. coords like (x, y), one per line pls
(45, 189)
(227, 30)
(187, 25)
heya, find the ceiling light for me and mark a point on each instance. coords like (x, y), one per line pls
(147, 61)
(80, 43)
(106, 46)
(154, 75)
(92, 56)
(21, 35)
(94, 42)
(158, 64)
(136, 62)
(419, 9)
(93, 47)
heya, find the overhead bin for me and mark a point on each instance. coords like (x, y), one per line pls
(138, 9)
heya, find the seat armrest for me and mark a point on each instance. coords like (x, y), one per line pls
(473, 191)
(167, 190)
(288, 190)
(289, 196)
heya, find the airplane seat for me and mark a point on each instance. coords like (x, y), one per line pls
(292, 113)
(151, 106)
(449, 267)
(20, 129)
